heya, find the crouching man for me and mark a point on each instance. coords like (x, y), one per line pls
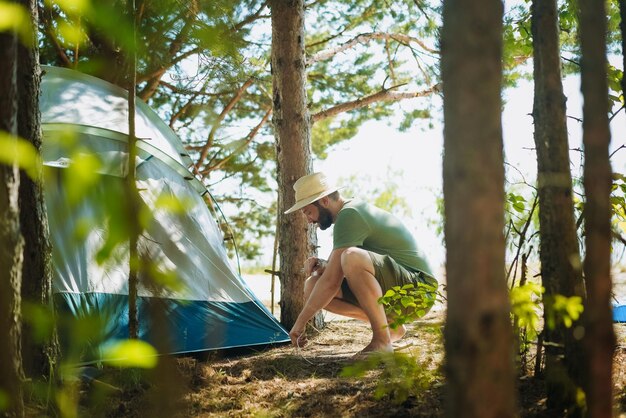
(372, 252)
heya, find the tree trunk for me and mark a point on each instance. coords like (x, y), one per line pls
(622, 26)
(39, 359)
(599, 336)
(478, 333)
(559, 255)
(11, 242)
(291, 122)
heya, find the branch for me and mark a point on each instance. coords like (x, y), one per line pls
(209, 142)
(366, 38)
(190, 16)
(618, 237)
(521, 175)
(196, 91)
(570, 60)
(421, 9)
(157, 72)
(613, 153)
(522, 235)
(385, 95)
(45, 19)
(154, 79)
(183, 109)
(249, 139)
(254, 16)
(390, 61)
(575, 118)
(615, 114)
(248, 164)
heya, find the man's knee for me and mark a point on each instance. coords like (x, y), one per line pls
(354, 260)
(310, 283)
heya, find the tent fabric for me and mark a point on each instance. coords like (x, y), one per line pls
(619, 313)
(212, 308)
(74, 98)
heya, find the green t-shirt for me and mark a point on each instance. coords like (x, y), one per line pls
(362, 225)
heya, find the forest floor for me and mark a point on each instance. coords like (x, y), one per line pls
(321, 380)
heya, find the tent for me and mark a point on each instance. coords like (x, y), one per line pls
(213, 309)
(619, 313)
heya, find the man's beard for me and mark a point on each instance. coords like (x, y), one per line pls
(325, 218)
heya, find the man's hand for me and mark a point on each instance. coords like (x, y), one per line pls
(297, 335)
(314, 266)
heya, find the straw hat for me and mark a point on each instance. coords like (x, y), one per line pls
(310, 188)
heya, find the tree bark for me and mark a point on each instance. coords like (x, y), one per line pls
(11, 241)
(559, 254)
(599, 336)
(622, 27)
(291, 123)
(38, 358)
(478, 332)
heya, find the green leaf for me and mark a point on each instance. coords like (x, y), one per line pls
(389, 293)
(15, 17)
(407, 301)
(19, 151)
(519, 206)
(131, 353)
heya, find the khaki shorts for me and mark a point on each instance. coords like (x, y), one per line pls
(388, 274)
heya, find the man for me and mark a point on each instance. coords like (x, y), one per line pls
(372, 252)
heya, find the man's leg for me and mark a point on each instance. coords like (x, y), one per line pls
(337, 305)
(340, 307)
(359, 272)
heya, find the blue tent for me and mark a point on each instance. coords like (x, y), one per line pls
(212, 308)
(619, 313)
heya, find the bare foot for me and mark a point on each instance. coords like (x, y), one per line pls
(377, 347)
(397, 334)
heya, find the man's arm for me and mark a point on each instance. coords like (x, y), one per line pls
(323, 292)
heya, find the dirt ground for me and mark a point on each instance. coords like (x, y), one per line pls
(287, 382)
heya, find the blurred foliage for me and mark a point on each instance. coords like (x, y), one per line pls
(526, 307)
(616, 95)
(562, 309)
(15, 18)
(401, 375)
(618, 204)
(131, 353)
(14, 150)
